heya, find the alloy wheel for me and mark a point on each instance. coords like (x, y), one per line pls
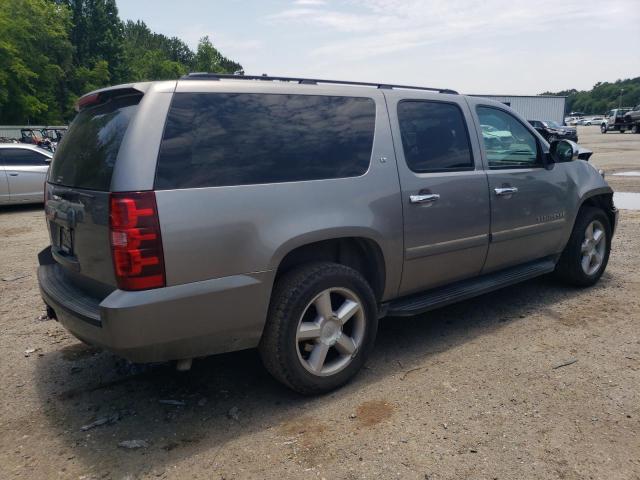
(330, 331)
(593, 247)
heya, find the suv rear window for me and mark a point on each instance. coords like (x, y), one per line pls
(87, 154)
(220, 139)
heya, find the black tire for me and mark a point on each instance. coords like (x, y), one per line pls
(569, 267)
(635, 128)
(293, 295)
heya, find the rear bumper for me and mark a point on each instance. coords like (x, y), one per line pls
(182, 321)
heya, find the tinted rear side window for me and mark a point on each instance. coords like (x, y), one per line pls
(434, 136)
(87, 154)
(22, 157)
(219, 139)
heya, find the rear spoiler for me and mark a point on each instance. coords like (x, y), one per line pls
(104, 95)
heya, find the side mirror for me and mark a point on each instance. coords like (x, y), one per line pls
(563, 151)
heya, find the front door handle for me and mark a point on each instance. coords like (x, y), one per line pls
(424, 198)
(13, 174)
(505, 191)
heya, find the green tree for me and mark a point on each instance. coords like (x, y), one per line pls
(35, 58)
(97, 34)
(152, 56)
(603, 96)
(209, 59)
(138, 38)
(53, 51)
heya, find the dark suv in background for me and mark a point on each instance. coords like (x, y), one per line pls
(551, 130)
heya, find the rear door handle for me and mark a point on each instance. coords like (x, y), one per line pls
(505, 191)
(424, 198)
(13, 174)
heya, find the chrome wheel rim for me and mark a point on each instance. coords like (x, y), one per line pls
(593, 247)
(330, 331)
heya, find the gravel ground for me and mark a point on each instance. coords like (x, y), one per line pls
(476, 390)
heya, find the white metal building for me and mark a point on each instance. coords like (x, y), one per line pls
(534, 107)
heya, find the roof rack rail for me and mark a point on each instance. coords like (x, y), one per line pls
(308, 81)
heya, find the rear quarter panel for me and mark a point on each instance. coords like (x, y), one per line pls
(220, 231)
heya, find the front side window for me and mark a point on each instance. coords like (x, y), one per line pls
(221, 139)
(507, 143)
(434, 136)
(22, 157)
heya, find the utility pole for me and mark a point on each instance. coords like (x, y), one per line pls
(620, 101)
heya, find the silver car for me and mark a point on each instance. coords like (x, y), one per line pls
(23, 171)
(217, 213)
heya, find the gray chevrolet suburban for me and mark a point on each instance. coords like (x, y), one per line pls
(217, 213)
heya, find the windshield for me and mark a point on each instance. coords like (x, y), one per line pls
(87, 153)
(552, 124)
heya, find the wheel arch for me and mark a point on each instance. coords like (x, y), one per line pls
(603, 199)
(353, 249)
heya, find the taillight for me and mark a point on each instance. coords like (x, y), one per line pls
(87, 100)
(136, 244)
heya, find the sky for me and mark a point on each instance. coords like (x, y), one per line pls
(473, 46)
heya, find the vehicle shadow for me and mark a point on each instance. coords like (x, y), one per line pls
(225, 397)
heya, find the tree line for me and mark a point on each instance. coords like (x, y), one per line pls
(603, 97)
(54, 51)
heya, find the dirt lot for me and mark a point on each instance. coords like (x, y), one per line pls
(468, 391)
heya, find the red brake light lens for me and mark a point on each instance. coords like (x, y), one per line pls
(87, 100)
(136, 243)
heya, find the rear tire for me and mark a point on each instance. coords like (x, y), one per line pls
(586, 255)
(635, 129)
(320, 329)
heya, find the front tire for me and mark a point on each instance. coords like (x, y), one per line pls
(586, 255)
(320, 329)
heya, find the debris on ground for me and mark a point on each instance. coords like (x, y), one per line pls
(175, 403)
(564, 364)
(13, 278)
(108, 420)
(133, 444)
(405, 374)
(233, 413)
(101, 421)
(29, 351)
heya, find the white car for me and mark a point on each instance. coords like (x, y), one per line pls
(23, 170)
(594, 121)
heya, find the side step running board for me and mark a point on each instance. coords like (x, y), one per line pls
(439, 297)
